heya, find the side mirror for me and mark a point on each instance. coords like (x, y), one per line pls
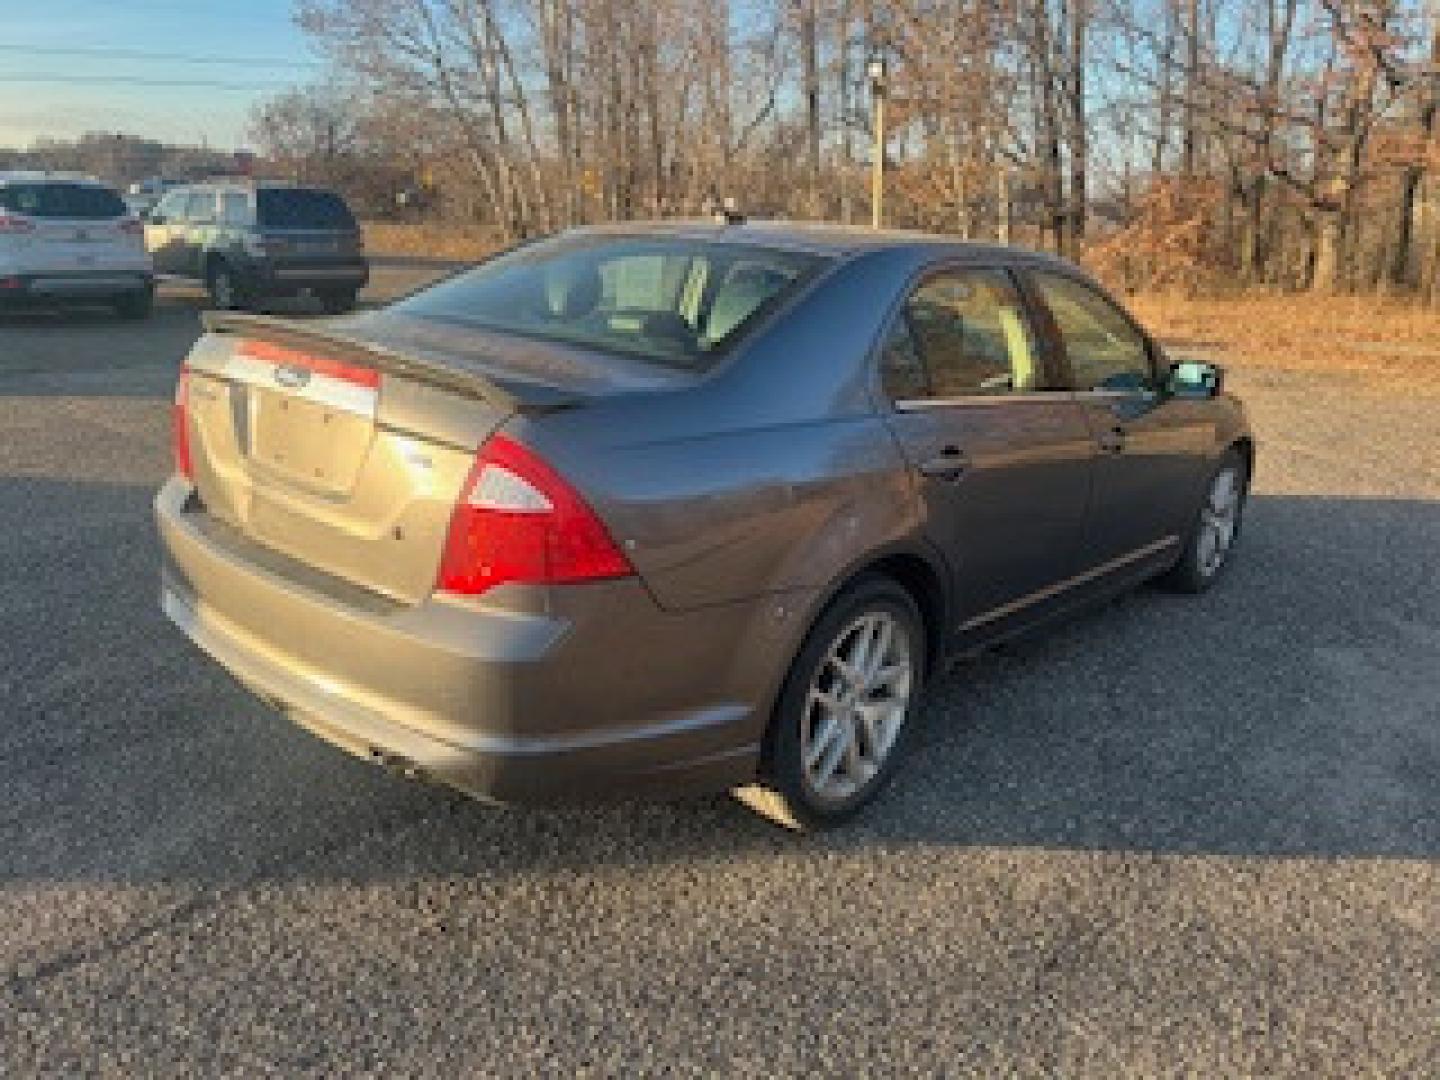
(1196, 379)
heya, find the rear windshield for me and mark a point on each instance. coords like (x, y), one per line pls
(673, 301)
(52, 200)
(297, 208)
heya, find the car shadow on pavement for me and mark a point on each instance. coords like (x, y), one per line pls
(1291, 712)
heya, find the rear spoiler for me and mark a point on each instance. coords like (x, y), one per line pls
(508, 395)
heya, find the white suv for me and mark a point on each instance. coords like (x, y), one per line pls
(67, 238)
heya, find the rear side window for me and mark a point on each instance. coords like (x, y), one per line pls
(969, 332)
(171, 207)
(51, 200)
(200, 207)
(234, 209)
(676, 301)
(302, 208)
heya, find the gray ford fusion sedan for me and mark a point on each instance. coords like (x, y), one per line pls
(682, 506)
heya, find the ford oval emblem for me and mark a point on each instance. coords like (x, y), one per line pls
(292, 376)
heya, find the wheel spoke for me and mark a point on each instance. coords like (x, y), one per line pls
(836, 747)
(821, 736)
(879, 651)
(858, 661)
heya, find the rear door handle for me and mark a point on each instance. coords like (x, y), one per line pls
(949, 464)
(1112, 441)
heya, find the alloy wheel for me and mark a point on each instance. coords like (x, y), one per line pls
(856, 706)
(222, 290)
(1219, 518)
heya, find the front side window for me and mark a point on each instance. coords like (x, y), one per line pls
(1105, 350)
(676, 301)
(170, 208)
(235, 209)
(200, 207)
(969, 333)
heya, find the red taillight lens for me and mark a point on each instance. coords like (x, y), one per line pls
(12, 225)
(519, 520)
(180, 426)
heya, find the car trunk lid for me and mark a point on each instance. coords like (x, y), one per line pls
(337, 450)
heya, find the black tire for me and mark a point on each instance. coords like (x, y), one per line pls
(135, 305)
(1195, 573)
(784, 793)
(337, 301)
(227, 292)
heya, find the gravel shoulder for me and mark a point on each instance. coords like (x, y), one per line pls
(1173, 836)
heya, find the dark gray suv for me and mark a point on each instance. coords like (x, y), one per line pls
(681, 506)
(247, 242)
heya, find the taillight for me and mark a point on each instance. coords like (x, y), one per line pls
(180, 426)
(519, 520)
(12, 225)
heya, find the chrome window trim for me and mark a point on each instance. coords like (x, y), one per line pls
(905, 405)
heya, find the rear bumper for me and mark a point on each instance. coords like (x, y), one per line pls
(503, 705)
(297, 273)
(74, 286)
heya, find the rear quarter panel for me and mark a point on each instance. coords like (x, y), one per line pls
(771, 475)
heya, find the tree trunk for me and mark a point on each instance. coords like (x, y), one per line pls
(1079, 141)
(810, 62)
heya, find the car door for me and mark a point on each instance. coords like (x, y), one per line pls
(1150, 445)
(164, 231)
(200, 213)
(1001, 457)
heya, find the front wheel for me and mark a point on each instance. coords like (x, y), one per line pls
(848, 704)
(1215, 528)
(226, 293)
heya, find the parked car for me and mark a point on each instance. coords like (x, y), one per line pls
(683, 506)
(248, 242)
(67, 239)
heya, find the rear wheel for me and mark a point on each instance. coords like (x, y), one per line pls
(135, 305)
(337, 301)
(226, 292)
(847, 706)
(1215, 529)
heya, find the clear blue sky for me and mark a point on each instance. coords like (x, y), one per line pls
(45, 93)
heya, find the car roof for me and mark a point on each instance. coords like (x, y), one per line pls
(816, 237)
(40, 176)
(240, 183)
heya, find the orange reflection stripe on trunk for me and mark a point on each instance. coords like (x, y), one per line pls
(271, 353)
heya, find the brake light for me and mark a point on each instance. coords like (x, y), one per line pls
(13, 225)
(180, 425)
(520, 520)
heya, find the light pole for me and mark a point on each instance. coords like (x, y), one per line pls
(875, 71)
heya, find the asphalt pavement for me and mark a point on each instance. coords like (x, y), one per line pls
(1175, 835)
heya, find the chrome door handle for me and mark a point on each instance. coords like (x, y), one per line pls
(949, 464)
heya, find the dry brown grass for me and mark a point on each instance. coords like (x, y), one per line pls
(428, 239)
(1360, 336)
